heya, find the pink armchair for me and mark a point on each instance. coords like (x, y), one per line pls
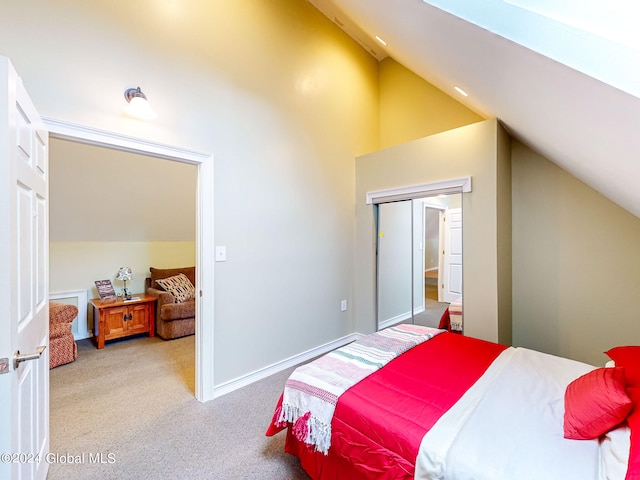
(62, 346)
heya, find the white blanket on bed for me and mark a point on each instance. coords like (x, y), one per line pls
(509, 426)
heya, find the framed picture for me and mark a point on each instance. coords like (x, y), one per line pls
(105, 290)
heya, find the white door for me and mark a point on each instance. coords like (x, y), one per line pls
(24, 273)
(452, 284)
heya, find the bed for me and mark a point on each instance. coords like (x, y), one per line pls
(451, 319)
(458, 408)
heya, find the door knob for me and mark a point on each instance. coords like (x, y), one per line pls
(23, 357)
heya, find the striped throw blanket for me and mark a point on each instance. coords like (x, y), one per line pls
(312, 391)
(455, 315)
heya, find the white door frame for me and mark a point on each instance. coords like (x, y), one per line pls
(409, 192)
(449, 297)
(441, 209)
(204, 227)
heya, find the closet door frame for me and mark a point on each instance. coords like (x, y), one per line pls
(411, 192)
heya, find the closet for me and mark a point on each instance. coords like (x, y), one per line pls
(418, 259)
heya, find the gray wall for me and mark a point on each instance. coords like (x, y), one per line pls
(465, 151)
(431, 240)
(576, 268)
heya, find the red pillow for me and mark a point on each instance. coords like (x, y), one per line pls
(629, 358)
(633, 469)
(595, 403)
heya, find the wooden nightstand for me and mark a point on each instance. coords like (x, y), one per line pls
(118, 319)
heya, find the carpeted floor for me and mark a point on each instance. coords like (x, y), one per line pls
(430, 317)
(129, 412)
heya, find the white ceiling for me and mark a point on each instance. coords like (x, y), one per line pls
(577, 120)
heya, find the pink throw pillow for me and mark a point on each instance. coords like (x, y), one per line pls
(629, 358)
(595, 403)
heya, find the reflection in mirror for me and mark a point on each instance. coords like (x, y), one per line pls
(419, 259)
(394, 263)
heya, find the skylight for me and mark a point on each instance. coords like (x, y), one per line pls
(615, 20)
(595, 37)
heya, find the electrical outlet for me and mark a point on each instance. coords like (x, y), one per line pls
(343, 305)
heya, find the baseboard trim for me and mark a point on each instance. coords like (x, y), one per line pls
(243, 381)
(390, 322)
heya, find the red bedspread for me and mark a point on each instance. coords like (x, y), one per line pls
(633, 470)
(379, 423)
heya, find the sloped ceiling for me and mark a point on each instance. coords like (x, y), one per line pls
(585, 125)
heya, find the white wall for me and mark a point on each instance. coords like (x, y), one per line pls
(276, 92)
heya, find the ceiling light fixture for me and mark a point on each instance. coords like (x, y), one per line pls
(138, 106)
(461, 91)
(381, 40)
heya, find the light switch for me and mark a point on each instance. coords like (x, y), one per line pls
(221, 253)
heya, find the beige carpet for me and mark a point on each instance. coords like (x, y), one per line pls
(131, 406)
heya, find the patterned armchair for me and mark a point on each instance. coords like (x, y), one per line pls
(62, 346)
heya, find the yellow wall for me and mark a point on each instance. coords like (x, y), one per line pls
(412, 108)
(285, 101)
(77, 265)
(281, 98)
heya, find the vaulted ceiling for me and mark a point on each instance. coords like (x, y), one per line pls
(563, 86)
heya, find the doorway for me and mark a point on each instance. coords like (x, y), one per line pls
(204, 386)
